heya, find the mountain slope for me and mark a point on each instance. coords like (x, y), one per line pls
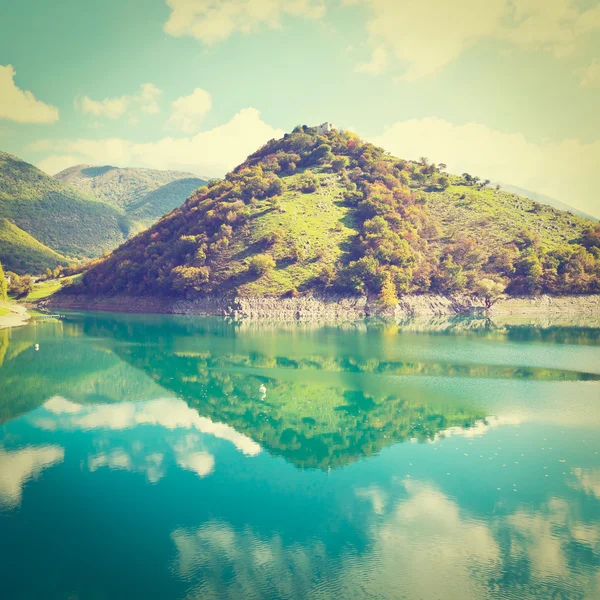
(57, 215)
(22, 253)
(542, 198)
(144, 194)
(309, 213)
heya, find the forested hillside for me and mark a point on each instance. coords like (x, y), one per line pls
(143, 194)
(57, 215)
(331, 213)
(22, 253)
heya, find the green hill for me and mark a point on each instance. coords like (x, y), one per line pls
(144, 194)
(312, 213)
(57, 215)
(22, 253)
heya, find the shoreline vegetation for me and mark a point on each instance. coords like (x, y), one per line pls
(334, 308)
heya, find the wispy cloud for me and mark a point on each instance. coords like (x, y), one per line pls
(590, 74)
(213, 21)
(146, 100)
(424, 37)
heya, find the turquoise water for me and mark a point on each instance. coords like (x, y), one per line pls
(175, 457)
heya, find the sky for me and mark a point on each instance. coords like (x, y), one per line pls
(505, 89)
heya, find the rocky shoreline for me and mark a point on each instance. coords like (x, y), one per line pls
(333, 308)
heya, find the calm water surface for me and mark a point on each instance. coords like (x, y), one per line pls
(148, 457)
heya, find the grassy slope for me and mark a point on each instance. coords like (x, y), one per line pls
(501, 215)
(318, 222)
(55, 214)
(43, 289)
(22, 253)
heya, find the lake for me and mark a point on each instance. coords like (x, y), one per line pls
(148, 457)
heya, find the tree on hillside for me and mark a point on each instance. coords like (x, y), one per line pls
(450, 277)
(443, 182)
(3, 284)
(339, 163)
(591, 238)
(20, 286)
(529, 271)
(388, 295)
(490, 290)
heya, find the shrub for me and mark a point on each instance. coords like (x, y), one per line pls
(326, 275)
(261, 264)
(189, 278)
(276, 188)
(274, 237)
(339, 163)
(308, 183)
(291, 293)
(297, 253)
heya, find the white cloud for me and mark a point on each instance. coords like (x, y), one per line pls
(168, 413)
(186, 453)
(20, 466)
(145, 100)
(201, 463)
(588, 480)
(424, 37)
(189, 457)
(212, 21)
(377, 64)
(21, 105)
(422, 546)
(563, 169)
(590, 75)
(450, 549)
(189, 111)
(112, 108)
(120, 459)
(375, 495)
(212, 152)
(558, 26)
(479, 428)
(115, 459)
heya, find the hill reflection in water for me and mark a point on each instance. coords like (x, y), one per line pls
(174, 457)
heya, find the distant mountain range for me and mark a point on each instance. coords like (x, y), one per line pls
(81, 213)
(143, 194)
(544, 200)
